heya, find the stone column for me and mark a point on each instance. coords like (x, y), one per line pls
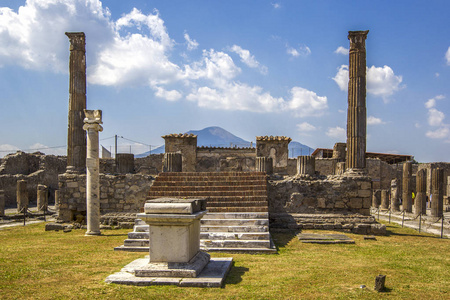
(306, 165)
(2, 202)
(406, 189)
(264, 164)
(356, 113)
(42, 197)
(376, 198)
(437, 187)
(92, 126)
(420, 203)
(125, 163)
(395, 203)
(384, 199)
(22, 196)
(76, 137)
(173, 162)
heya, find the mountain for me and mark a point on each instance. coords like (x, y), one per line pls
(218, 137)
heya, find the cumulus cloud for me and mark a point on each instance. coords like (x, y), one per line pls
(435, 117)
(276, 5)
(248, 59)
(341, 50)
(307, 103)
(432, 102)
(440, 133)
(305, 128)
(447, 56)
(300, 51)
(337, 133)
(191, 44)
(381, 81)
(371, 120)
(172, 95)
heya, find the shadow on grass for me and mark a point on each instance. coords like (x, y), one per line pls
(281, 239)
(419, 234)
(235, 274)
(114, 234)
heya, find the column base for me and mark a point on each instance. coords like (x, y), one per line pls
(89, 233)
(356, 172)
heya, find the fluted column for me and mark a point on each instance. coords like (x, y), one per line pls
(173, 162)
(76, 137)
(356, 113)
(395, 204)
(437, 187)
(406, 187)
(92, 126)
(264, 164)
(306, 165)
(420, 202)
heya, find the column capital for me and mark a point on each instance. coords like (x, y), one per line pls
(357, 39)
(77, 41)
(93, 120)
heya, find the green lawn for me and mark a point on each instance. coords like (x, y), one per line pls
(35, 264)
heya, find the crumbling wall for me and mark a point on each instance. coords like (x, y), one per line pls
(149, 165)
(292, 166)
(118, 193)
(325, 166)
(214, 159)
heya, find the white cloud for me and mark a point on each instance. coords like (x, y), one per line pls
(191, 44)
(6, 149)
(437, 75)
(248, 59)
(440, 133)
(307, 103)
(341, 111)
(276, 5)
(371, 120)
(417, 125)
(430, 103)
(337, 133)
(301, 51)
(341, 50)
(435, 117)
(305, 126)
(447, 56)
(172, 95)
(381, 81)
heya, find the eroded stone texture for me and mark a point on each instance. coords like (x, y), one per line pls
(275, 147)
(172, 162)
(76, 137)
(407, 190)
(384, 199)
(306, 165)
(420, 202)
(376, 198)
(356, 114)
(42, 197)
(437, 187)
(2, 202)
(125, 163)
(92, 126)
(339, 151)
(186, 144)
(264, 164)
(395, 203)
(22, 196)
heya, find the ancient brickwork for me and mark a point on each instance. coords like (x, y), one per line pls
(215, 159)
(124, 163)
(173, 162)
(149, 165)
(275, 147)
(186, 144)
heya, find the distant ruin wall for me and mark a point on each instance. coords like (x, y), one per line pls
(149, 165)
(211, 159)
(325, 166)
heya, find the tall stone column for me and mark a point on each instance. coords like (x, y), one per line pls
(406, 187)
(2, 203)
(420, 203)
(42, 197)
(356, 113)
(76, 137)
(437, 187)
(395, 204)
(306, 165)
(22, 196)
(92, 126)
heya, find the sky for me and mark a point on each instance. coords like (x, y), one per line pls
(251, 67)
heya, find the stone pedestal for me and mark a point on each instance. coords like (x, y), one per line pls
(356, 113)
(22, 196)
(384, 199)
(437, 187)
(264, 164)
(420, 203)
(395, 203)
(42, 197)
(92, 126)
(125, 163)
(406, 188)
(2, 202)
(340, 168)
(306, 165)
(376, 198)
(173, 162)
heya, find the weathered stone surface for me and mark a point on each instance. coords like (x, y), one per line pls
(172, 162)
(264, 164)
(437, 194)
(42, 197)
(420, 202)
(124, 163)
(384, 199)
(22, 196)
(380, 281)
(306, 165)
(395, 203)
(2, 203)
(275, 147)
(407, 189)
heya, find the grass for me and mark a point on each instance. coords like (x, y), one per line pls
(35, 264)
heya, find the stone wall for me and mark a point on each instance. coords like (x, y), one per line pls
(276, 147)
(118, 193)
(212, 159)
(186, 144)
(292, 166)
(429, 167)
(36, 168)
(149, 165)
(325, 166)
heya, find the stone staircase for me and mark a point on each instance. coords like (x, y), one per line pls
(237, 218)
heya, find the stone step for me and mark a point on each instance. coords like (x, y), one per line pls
(208, 183)
(176, 192)
(229, 173)
(218, 187)
(136, 242)
(237, 215)
(235, 203)
(152, 195)
(212, 178)
(238, 209)
(141, 228)
(224, 228)
(138, 235)
(235, 243)
(234, 222)
(235, 236)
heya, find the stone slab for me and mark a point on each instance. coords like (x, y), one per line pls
(316, 238)
(213, 275)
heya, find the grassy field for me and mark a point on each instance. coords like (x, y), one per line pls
(35, 264)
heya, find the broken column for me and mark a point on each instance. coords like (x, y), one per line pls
(306, 165)
(125, 163)
(173, 162)
(264, 164)
(376, 198)
(76, 137)
(395, 203)
(339, 152)
(420, 202)
(42, 197)
(2, 203)
(92, 126)
(406, 188)
(437, 195)
(22, 196)
(384, 199)
(356, 113)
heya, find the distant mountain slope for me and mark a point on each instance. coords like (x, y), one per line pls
(218, 137)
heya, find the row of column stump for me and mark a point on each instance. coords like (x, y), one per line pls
(23, 200)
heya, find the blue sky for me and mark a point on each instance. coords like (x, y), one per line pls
(251, 67)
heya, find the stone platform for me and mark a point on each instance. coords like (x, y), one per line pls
(212, 275)
(316, 238)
